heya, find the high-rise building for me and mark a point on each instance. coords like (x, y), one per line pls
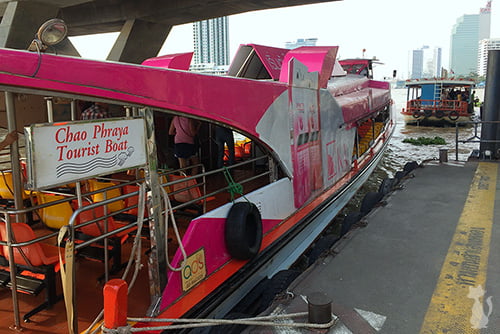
(425, 62)
(301, 42)
(211, 42)
(484, 46)
(465, 36)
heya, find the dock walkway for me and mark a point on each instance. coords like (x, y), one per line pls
(428, 261)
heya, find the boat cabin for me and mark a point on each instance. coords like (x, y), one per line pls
(439, 100)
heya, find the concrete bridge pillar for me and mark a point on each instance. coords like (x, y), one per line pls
(139, 40)
(20, 24)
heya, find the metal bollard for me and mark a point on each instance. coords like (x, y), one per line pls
(443, 155)
(115, 303)
(319, 308)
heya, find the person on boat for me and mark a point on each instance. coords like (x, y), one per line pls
(224, 136)
(9, 139)
(184, 131)
(96, 111)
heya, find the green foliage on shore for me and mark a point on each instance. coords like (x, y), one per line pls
(425, 141)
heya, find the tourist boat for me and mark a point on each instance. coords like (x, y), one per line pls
(439, 101)
(205, 236)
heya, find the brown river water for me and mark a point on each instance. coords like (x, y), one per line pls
(399, 153)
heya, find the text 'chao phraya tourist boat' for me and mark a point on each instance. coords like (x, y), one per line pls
(82, 196)
(439, 101)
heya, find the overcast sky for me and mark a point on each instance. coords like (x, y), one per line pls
(387, 29)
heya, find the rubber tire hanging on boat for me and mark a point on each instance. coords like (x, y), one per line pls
(427, 113)
(439, 113)
(243, 231)
(416, 114)
(453, 115)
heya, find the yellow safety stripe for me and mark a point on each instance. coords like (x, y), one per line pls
(457, 303)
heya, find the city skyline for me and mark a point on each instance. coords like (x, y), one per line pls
(350, 24)
(464, 42)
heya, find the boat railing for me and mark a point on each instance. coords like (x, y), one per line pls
(444, 105)
(11, 215)
(188, 183)
(476, 137)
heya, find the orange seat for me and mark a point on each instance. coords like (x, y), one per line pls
(184, 191)
(132, 201)
(37, 254)
(96, 229)
(187, 191)
(247, 149)
(38, 261)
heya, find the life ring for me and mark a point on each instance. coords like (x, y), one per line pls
(416, 114)
(243, 231)
(427, 113)
(439, 113)
(453, 115)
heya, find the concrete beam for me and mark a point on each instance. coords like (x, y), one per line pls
(106, 15)
(139, 40)
(21, 21)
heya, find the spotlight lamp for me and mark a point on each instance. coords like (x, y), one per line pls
(50, 33)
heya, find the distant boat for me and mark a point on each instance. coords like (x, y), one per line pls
(439, 101)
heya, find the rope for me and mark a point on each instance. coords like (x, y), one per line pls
(136, 251)
(233, 187)
(170, 213)
(195, 323)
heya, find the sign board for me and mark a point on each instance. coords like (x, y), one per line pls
(67, 152)
(195, 270)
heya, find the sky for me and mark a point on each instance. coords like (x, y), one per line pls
(387, 29)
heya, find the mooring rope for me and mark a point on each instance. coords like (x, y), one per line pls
(194, 323)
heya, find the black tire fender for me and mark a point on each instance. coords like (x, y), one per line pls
(439, 113)
(416, 114)
(453, 115)
(410, 166)
(349, 220)
(427, 112)
(243, 231)
(386, 186)
(369, 201)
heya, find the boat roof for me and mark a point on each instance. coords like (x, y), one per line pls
(441, 81)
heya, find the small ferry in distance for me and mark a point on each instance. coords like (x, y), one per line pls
(200, 237)
(439, 101)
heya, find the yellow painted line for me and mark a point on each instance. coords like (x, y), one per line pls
(450, 309)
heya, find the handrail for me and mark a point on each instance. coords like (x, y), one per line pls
(475, 138)
(418, 104)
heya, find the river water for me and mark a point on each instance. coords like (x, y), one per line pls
(399, 153)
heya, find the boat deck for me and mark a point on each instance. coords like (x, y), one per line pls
(89, 286)
(421, 263)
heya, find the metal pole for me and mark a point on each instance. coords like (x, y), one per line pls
(456, 141)
(490, 131)
(14, 154)
(50, 110)
(73, 273)
(73, 110)
(13, 272)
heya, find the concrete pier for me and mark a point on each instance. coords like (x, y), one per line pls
(428, 261)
